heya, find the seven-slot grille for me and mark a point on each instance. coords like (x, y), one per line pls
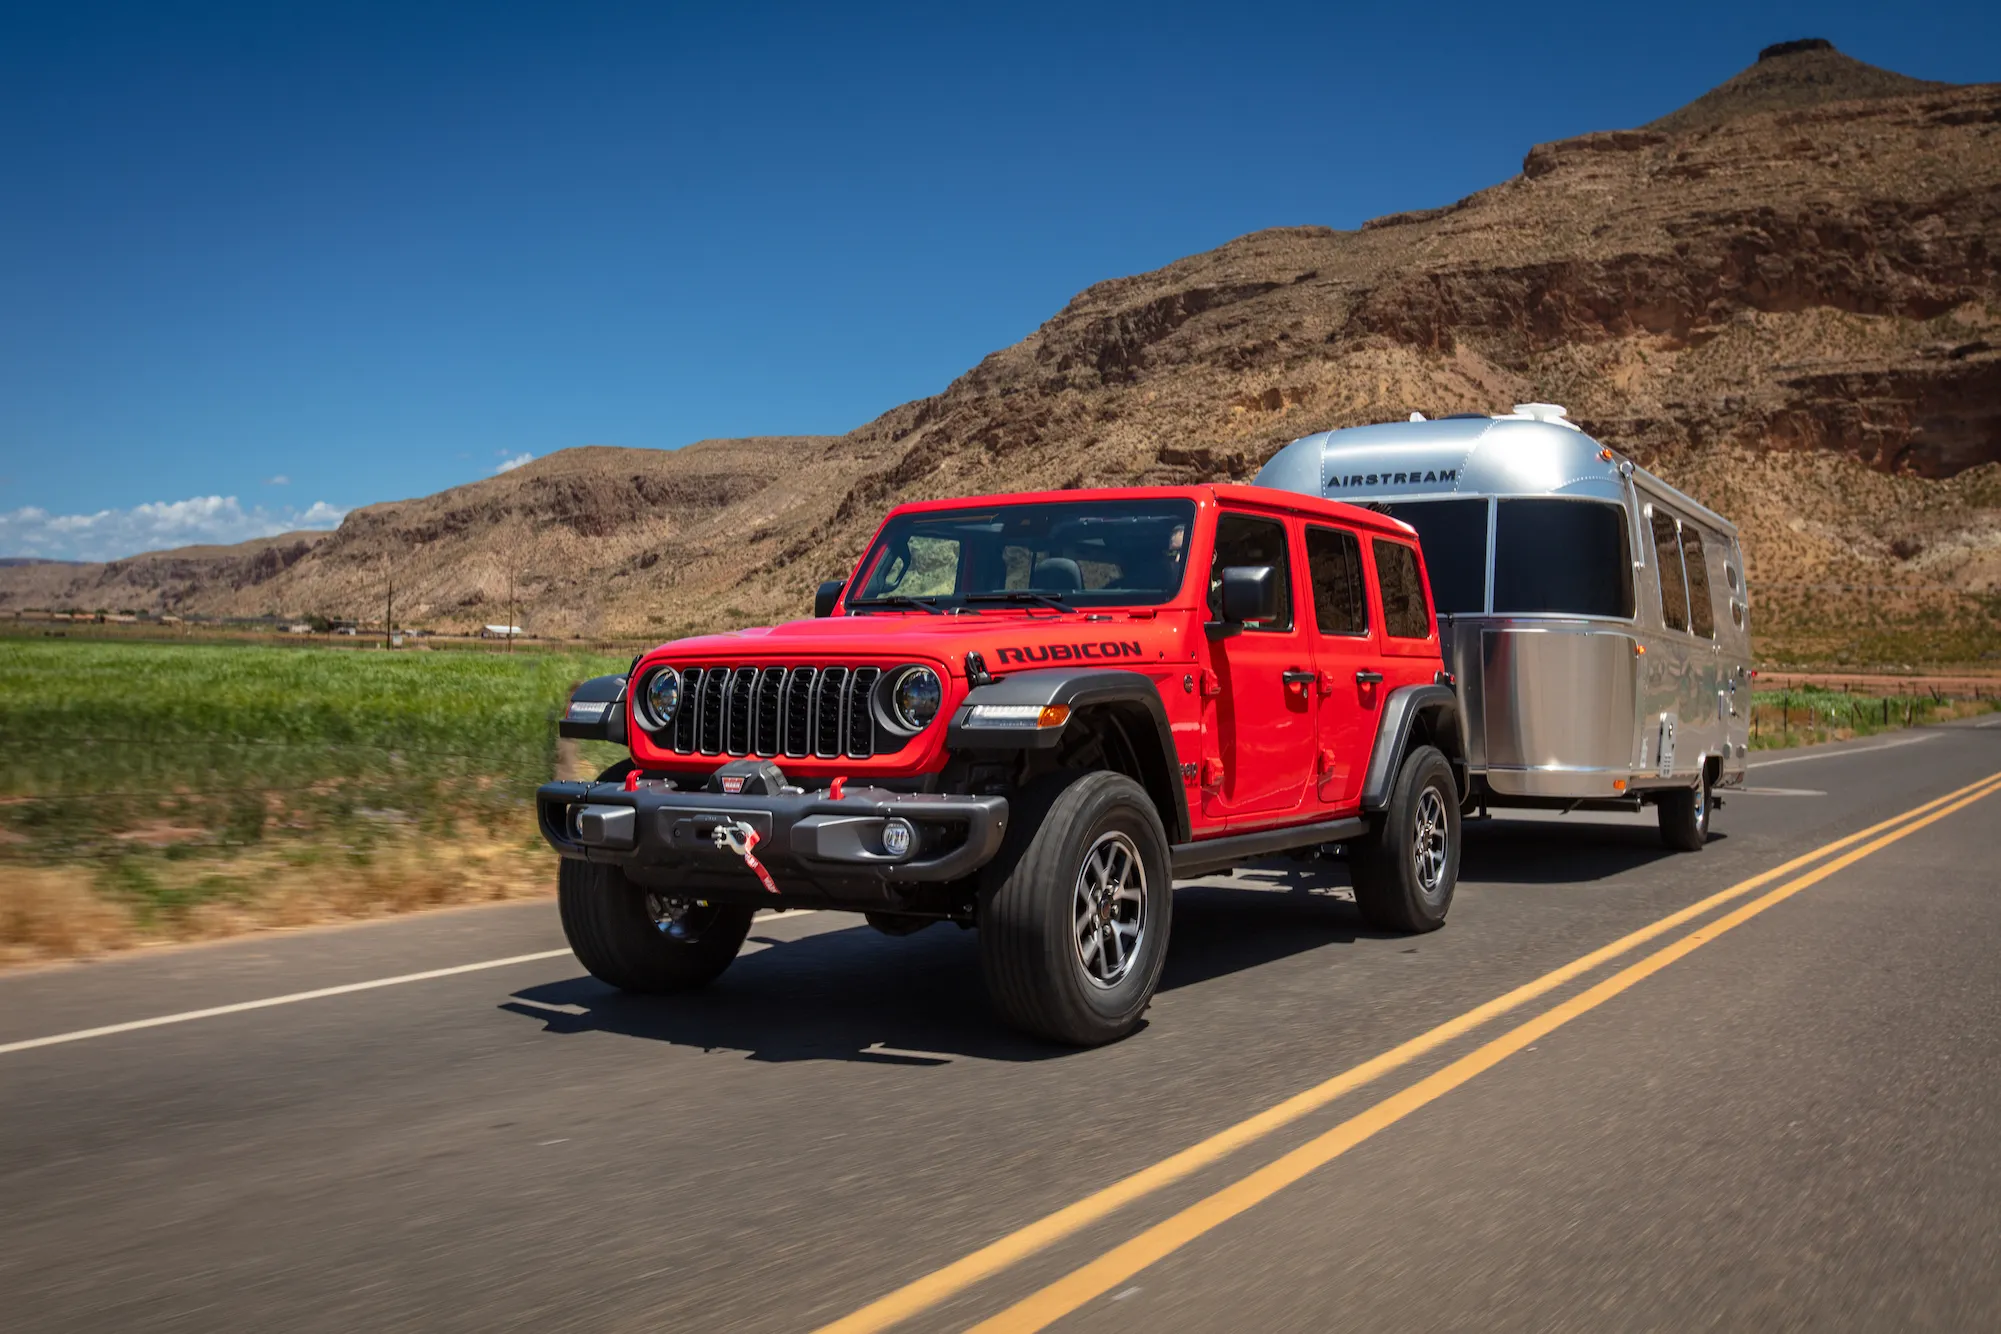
(818, 712)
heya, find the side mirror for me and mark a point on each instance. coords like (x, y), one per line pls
(596, 711)
(828, 594)
(1250, 593)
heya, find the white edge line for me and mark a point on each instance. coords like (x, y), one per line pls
(189, 1016)
(1837, 754)
(215, 1011)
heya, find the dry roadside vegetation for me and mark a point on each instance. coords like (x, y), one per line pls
(172, 792)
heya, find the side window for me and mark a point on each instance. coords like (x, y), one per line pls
(1243, 540)
(1667, 561)
(1340, 600)
(1404, 612)
(1701, 614)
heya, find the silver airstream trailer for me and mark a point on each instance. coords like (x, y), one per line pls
(1595, 618)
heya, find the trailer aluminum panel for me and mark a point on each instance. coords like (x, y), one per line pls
(1596, 619)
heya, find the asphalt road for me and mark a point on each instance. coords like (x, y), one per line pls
(1785, 1120)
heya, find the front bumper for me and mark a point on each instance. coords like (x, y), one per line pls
(818, 851)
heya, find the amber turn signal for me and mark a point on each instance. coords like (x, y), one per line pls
(1053, 715)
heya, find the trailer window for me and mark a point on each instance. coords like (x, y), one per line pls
(1334, 560)
(1404, 614)
(1701, 617)
(1667, 561)
(1568, 557)
(1453, 534)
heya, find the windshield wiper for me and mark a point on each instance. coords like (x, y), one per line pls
(899, 600)
(1023, 595)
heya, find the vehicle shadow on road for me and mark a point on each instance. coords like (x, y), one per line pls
(1576, 850)
(854, 994)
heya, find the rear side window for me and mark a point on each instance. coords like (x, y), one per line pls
(1243, 540)
(1404, 614)
(1567, 557)
(1667, 559)
(1340, 601)
(1701, 616)
(1453, 534)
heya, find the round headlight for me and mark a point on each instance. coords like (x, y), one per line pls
(663, 696)
(915, 698)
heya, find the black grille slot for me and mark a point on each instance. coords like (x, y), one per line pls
(769, 713)
(861, 718)
(799, 711)
(715, 685)
(828, 709)
(742, 689)
(689, 711)
(796, 712)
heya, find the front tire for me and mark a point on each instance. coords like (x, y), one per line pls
(1405, 871)
(1685, 816)
(1073, 940)
(637, 939)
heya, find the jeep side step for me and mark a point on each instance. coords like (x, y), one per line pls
(1213, 854)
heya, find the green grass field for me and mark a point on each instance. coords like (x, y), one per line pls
(178, 777)
(153, 789)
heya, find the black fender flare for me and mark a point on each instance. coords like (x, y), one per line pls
(1405, 708)
(1132, 693)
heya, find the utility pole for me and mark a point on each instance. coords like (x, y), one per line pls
(510, 609)
(389, 617)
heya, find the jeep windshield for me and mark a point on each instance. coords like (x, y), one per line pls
(1049, 555)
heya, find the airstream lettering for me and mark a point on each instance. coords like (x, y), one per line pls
(1595, 618)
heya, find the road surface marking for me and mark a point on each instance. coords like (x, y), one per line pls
(213, 1011)
(1774, 792)
(1121, 1263)
(189, 1016)
(940, 1285)
(1837, 754)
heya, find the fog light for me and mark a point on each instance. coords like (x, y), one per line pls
(898, 838)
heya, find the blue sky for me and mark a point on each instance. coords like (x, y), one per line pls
(263, 263)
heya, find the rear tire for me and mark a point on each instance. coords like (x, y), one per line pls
(640, 940)
(1073, 939)
(1406, 869)
(1685, 816)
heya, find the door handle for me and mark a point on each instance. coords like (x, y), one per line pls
(1297, 677)
(1368, 678)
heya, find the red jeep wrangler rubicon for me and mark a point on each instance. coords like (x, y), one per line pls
(1022, 713)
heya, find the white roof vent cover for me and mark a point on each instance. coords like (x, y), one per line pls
(1553, 413)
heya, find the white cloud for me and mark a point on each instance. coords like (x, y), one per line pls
(110, 534)
(509, 465)
(280, 480)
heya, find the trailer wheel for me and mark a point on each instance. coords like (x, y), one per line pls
(637, 939)
(1685, 816)
(1072, 941)
(1405, 870)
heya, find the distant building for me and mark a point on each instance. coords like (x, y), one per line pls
(500, 632)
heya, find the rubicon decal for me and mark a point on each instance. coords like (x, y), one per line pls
(1108, 648)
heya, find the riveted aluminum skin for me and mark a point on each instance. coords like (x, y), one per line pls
(1558, 707)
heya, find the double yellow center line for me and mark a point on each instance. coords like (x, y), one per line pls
(1120, 1263)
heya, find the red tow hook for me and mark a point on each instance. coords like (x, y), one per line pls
(834, 788)
(632, 781)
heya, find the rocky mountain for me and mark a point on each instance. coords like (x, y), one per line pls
(1785, 297)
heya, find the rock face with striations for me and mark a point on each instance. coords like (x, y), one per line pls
(1784, 296)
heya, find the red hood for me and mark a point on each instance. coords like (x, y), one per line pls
(1007, 641)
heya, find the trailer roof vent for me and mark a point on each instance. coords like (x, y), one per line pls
(1553, 413)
